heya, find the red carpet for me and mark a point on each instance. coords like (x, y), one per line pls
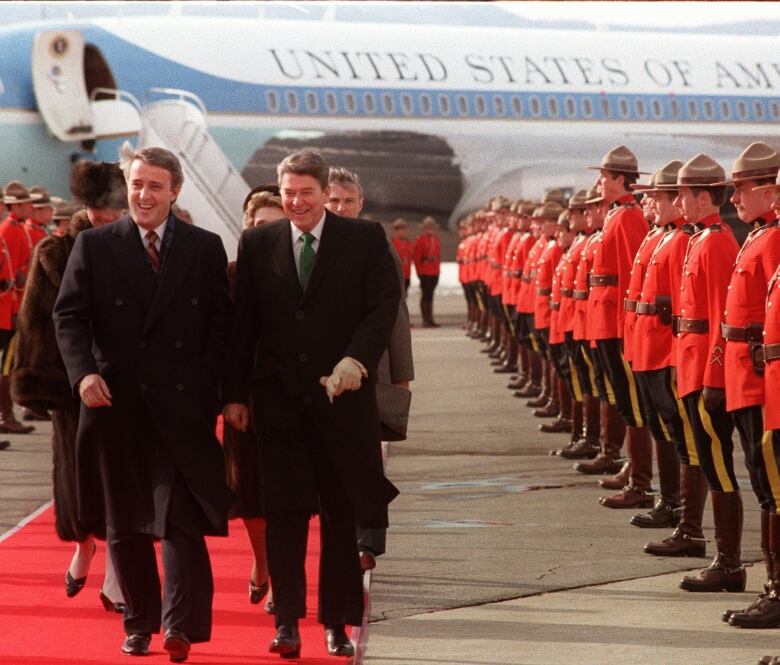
(39, 625)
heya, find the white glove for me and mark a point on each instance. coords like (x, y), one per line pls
(347, 375)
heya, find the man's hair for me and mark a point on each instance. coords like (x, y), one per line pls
(717, 194)
(305, 162)
(153, 156)
(257, 201)
(338, 175)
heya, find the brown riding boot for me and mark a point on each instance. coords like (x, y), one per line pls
(533, 388)
(553, 406)
(587, 444)
(666, 512)
(575, 409)
(613, 429)
(510, 365)
(547, 388)
(8, 422)
(637, 493)
(687, 539)
(619, 480)
(765, 527)
(726, 572)
(523, 369)
(765, 612)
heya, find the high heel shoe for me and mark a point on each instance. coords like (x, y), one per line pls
(257, 592)
(269, 607)
(75, 584)
(109, 605)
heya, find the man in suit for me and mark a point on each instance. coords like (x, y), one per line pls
(141, 322)
(396, 367)
(316, 299)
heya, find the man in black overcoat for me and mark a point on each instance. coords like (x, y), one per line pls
(316, 300)
(141, 322)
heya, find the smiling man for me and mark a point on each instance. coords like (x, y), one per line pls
(316, 299)
(141, 320)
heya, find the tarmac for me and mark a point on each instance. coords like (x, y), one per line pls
(499, 553)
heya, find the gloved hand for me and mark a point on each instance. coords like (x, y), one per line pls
(713, 397)
(346, 375)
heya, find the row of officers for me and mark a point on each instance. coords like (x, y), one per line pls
(647, 323)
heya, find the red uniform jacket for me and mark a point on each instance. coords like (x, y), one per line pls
(772, 370)
(482, 253)
(6, 287)
(581, 323)
(542, 285)
(623, 231)
(526, 297)
(526, 244)
(568, 265)
(705, 279)
(641, 261)
(35, 233)
(427, 255)
(745, 303)
(12, 231)
(557, 323)
(472, 259)
(510, 261)
(503, 238)
(656, 346)
(405, 250)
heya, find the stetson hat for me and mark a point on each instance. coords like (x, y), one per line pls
(40, 197)
(700, 171)
(548, 211)
(775, 186)
(577, 200)
(757, 161)
(665, 178)
(527, 208)
(593, 196)
(620, 160)
(563, 218)
(400, 223)
(554, 196)
(16, 192)
(429, 222)
(64, 209)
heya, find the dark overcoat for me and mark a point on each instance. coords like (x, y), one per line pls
(159, 342)
(284, 340)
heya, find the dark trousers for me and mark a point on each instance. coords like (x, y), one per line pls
(188, 589)
(770, 447)
(373, 540)
(600, 378)
(583, 377)
(427, 287)
(750, 425)
(657, 393)
(563, 367)
(712, 432)
(622, 381)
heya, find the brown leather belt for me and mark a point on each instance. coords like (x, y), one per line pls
(752, 333)
(527, 280)
(646, 308)
(567, 293)
(629, 305)
(555, 306)
(580, 295)
(515, 273)
(770, 352)
(543, 291)
(699, 326)
(603, 280)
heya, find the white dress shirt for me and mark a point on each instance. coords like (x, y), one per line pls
(297, 240)
(160, 231)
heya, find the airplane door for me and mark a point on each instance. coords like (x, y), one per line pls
(59, 84)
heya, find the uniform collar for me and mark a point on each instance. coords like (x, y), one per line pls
(708, 221)
(623, 200)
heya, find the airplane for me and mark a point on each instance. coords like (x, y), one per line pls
(434, 118)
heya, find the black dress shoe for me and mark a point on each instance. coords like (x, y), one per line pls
(177, 644)
(287, 642)
(137, 644)
(257, 591)
(109, 605)
(4, 444)
(72, 584)
(337, 642)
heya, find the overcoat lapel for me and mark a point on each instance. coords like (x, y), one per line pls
(330, 246)
(125, 244)
(284, 261)
(176, 266)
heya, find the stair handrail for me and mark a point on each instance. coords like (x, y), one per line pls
(180, 94)
(118, 94)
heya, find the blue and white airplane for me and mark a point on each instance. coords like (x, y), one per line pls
(436, 117)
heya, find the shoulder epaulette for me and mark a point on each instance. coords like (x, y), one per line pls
(716, 228)
(689, 229)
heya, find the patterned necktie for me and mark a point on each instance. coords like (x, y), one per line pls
(151, 250)
(306, 259)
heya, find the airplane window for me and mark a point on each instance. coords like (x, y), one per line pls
(387, 103)
(725, 109)
(639, 107)
(674, 104)
(552, 106)
(312, 103)
(369, 102)
(571, 107)
(658, 110)
(517, 106)
(605, 107)
(444, 104)
(536, 107)
(406, 104)
(463, 105)
(330, 102)
(775, 109)
(758, 109)
(481, 105)
(693, 109)
(350, 103)
(741, 110)
(709, 111)
(587, 107)
(272, 101)
(498, 105)
(425, 104)
(292, 102)
(623, 106)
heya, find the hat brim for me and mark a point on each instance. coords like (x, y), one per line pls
(731, 181)
(660, 188)
(774, 186)
(10, 200)
(617, 170)
(597, 199)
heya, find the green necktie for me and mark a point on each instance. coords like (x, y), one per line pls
(306, 260)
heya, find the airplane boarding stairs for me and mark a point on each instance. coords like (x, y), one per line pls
(213, 191)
